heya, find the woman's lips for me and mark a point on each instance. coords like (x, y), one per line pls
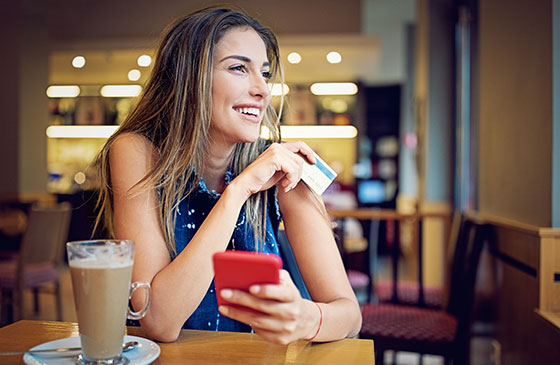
(250, 113)
(248, 110)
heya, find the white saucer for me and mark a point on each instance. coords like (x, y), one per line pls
(145, 353)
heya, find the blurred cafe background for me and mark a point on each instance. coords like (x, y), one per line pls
(426, 109)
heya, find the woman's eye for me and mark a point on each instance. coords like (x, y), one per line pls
(240, 68)
(266, 74)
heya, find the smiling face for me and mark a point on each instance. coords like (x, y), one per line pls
(240, 94)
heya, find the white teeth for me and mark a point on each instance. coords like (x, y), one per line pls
(252, 111)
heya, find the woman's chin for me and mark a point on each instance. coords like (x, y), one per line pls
(249, 138)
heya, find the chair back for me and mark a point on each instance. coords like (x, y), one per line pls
(460, 237)
(455, 231)
(46, 233)
(470, 241)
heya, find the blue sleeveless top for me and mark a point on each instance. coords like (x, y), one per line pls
(191, 212)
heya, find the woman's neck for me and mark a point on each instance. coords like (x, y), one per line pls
(215, 166)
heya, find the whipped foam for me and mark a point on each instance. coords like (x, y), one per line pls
(92, 263)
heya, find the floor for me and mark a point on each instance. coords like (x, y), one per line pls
(481, 347)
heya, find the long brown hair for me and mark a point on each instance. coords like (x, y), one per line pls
(174, 113)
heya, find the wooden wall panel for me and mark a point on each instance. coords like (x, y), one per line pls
(516, 299)
(549, 273)
(526, 259)
(519, 245)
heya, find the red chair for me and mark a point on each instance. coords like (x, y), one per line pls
(429, 331)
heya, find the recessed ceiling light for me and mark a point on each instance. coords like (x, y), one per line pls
(134, 75)
(79, 61)
(63, 91)
(313, 131)
(334, 57)
(294, 57)
(81, 131)
(144, 60)
(334, 88)
(120, 91)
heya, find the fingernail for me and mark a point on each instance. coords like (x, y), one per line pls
(255, 289)
(223, 309)
(226, 293)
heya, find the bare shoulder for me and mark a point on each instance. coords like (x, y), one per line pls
(132, 144)
(136, 212)
(131, 157)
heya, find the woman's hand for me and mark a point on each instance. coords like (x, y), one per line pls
(279, 314)
(279, 163)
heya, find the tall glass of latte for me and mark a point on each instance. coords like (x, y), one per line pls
(101, 272)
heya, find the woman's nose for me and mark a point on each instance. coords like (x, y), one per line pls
(259, 87)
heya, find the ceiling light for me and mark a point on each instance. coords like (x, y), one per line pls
(81, 131)
(144, 60)
(66, 91)
(79, 61)
(334, 57)
(279, 89)
(134, 75)
(314, 131)
(120, 91)
(294, 57)
(334, 88)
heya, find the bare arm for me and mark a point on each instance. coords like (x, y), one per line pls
(286, 317)
(178, 286)
(320, 264)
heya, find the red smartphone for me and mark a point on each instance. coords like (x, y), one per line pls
(241, 269)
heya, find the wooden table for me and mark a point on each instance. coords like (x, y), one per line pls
(201, 347)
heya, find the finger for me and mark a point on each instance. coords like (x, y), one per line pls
(283, 160)
(302, 148)
(285, 277)
(287, 183)
(286, 291)
(248, 300)
(293, 172)
(273, 324)
(284, 310)
(239, 314)
(280, 293)
(276, 178)
(275, 337)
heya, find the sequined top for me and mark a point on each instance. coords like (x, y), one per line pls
(191, 212)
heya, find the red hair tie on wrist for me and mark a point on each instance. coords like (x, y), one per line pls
(320, 322)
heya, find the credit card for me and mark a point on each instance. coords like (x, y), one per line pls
(318, 176)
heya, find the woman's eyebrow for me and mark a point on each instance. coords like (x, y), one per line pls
(243, 58)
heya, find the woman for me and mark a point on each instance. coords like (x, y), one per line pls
(187, 175)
